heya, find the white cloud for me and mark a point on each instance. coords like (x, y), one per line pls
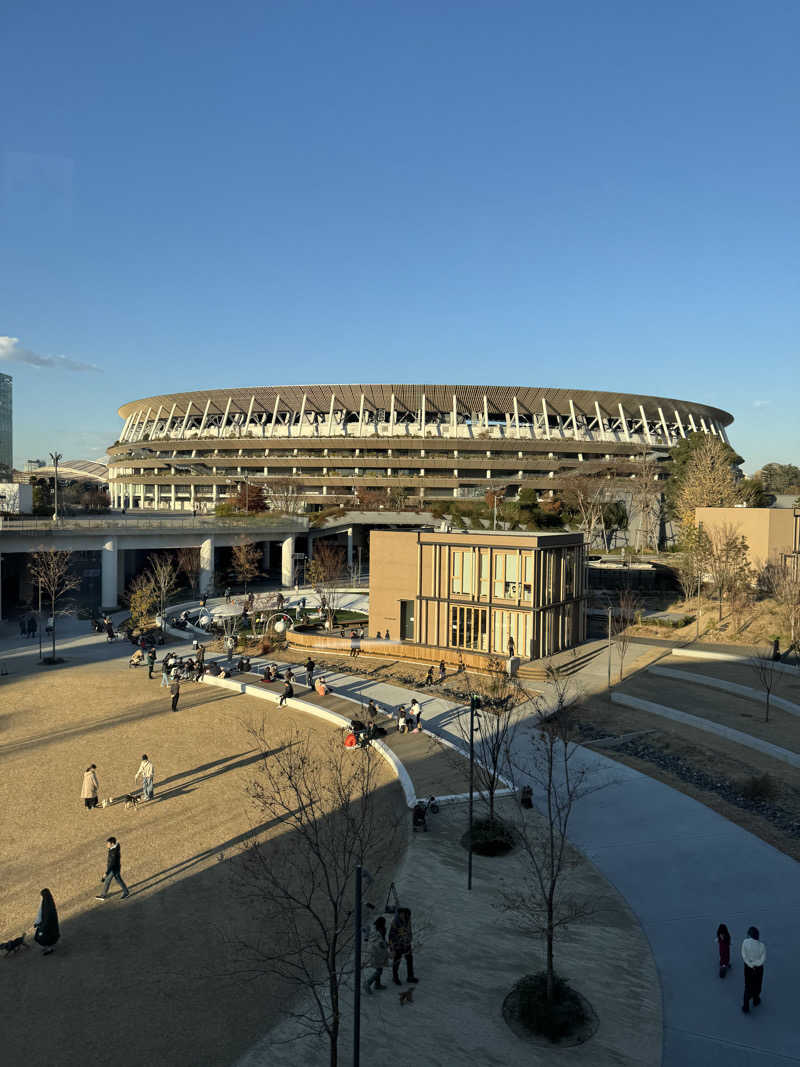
(11, 351)
(760, 403)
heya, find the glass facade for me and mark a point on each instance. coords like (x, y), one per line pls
(6, 424)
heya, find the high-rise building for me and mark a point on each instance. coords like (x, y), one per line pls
(6, 427)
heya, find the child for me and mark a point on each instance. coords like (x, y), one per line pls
(724, 946)
(401, 719)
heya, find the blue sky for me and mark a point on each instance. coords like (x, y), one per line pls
(571, 194)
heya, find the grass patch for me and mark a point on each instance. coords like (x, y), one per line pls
(758, 787)
(490, 837)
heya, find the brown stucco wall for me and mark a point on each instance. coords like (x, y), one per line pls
(768, 531)
(392, 560)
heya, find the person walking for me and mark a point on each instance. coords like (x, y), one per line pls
(754, 954)
(23, 626)
(175, 690)
(288, 691)
(147, 773)
(33, 626)
(46, 924)
(372, 711)
(511, 648)
(113, 869)
(165, 671)
(724, 947)
(151, 660)
(90, 787)
(415, 712)
(378, 955)
(401, 946)
(442, 670)
(429, 676)
(310, 665)
(227, 594)
(386, 636)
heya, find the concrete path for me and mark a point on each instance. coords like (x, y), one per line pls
(683, 869)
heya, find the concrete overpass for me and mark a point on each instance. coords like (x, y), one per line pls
(116, 533)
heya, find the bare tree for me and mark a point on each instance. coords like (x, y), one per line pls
(646, 500)
(50, 569)
(559, 779)
(189, 563)
(245, 558)
(164, 573)
(768, 673)
(300, 884)
(625, 613)
(782, 583)
(326, 574)
(726, 561)
(585, 493)
(500, 697)
(692, 560)
(141, 597)
(284, 496)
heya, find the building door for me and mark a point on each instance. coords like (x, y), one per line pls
(406, 620)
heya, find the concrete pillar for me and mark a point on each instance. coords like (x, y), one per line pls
(350, 548)
(310, 548)
(287, 561)
(108, 573)
(206, 563)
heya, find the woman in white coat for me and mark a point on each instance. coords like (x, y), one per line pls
(90, 787)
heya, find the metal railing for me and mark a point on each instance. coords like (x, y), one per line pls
(122, 523)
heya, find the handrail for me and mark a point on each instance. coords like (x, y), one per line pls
(74, 524)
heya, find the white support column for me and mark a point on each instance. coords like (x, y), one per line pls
(125, 428)
(156, 496)
(302, 415)
(680, 423)
(600, 428)
(155, 421)
(391, 416)
(485, 413)
(287, 561)
(516, 416)
(330, 416)
(275, 414)
(185, 421)
(249, 415)
(143, 431)
(625, 428)
(422, 413)
(205, 416)
(574, 420)
(723, 434)
(703, 426)
(645, 425)
(361, 415)
(225, 417)
(108, 573)
(169, 421)
(349, 547)
(713, 426)
(667, 436)
(135, 425)
(206, 564)
(454, 422)
(692, 423)
(546, 419)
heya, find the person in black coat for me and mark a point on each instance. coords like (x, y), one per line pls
(46, 925)
(400, 945)
(113, 869)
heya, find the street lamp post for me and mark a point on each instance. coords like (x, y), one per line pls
(55, 457)
(474, 704)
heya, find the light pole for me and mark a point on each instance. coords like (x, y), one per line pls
(55, 457)
(474, 704)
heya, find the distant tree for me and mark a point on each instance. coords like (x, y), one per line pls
(95, 499)
(781, 581)
(625, 613)
(370, 499)
(692, 560)
(42, 496)
(326, 573)
(768, 674)
(727, 562)
(249, 497)
(584, 495)
(703, 473)
(142, 598)
(779, 477)
(284, 496)
(189, 563)
(50, 570)
(647, 491)
(753, 493)
(246, 559)
(164, 572)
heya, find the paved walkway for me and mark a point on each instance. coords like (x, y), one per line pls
(683, 869)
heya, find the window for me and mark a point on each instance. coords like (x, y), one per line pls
(462, 572)
(507, 584)
(468, 628)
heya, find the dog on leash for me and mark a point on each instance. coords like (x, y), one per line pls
(131, 800)
(407, 996)
(14, 945)
(106, 802)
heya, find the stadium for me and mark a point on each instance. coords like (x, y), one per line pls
(321, 446)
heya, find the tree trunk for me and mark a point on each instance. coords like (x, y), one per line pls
(53, 634)
(766, 717)
(550, 988)
(720, 605)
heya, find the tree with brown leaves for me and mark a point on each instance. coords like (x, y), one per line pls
(246, 559)
(326, 574)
